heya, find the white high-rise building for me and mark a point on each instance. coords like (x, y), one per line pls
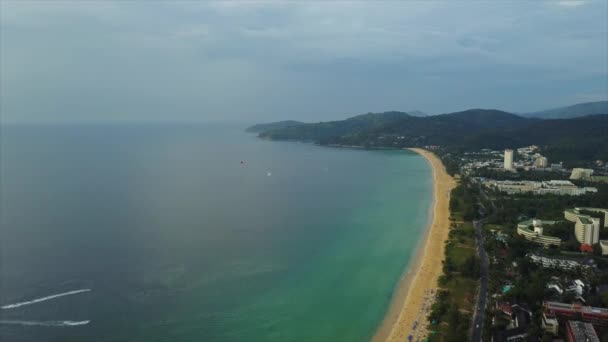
(508, 159)
(587, 230)
(578, 173)
(541, 162)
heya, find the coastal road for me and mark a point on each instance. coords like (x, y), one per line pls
(479, 315)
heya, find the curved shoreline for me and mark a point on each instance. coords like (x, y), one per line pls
(427, 266)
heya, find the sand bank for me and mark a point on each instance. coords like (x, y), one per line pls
(413, 289)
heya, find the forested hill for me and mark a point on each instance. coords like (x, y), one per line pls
(273, 125)
(568, 140)
(319, 132)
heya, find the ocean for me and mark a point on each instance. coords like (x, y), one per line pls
(170, 232)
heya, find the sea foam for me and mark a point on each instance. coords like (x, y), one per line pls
(42, 299)
(45, 323)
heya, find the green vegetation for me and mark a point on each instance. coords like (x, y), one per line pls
(462, 203)
(510, 209)
(510, 264)
(452, 310)
(274, 125)
(462, 131)
(512, 277)
(501, 175)
(603, 179)
(562, 229)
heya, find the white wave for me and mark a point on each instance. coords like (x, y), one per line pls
(46, 323)
(38, 300)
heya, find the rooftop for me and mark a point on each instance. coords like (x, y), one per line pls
(580, 331)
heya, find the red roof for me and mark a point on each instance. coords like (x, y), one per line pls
(505, 308)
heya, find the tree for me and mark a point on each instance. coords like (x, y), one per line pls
(471, 267)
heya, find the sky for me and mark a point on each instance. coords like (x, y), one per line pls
(253, 61)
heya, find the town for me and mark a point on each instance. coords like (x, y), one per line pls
(541, 234)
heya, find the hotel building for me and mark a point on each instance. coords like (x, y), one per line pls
(541, 162)
(587, 228)
(532, 230)
(554, 187)
(578, 173)
(508, 159)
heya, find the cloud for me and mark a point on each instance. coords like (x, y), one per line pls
(254, 61)
(572, 3)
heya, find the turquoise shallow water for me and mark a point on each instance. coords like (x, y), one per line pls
(180, 241)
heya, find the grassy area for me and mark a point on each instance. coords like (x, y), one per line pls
(494, 227)
(462, 292)
(459, 253)
(603, 179)
(457, 216)
(458, 286)
(466, 226)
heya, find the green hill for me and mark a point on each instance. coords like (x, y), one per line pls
(273, 125)
(570, 140)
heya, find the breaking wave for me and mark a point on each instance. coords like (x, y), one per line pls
(45, 323)
(43, 299)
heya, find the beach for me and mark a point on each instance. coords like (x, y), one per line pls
(414, 292)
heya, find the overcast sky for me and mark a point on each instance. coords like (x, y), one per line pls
(261, 61)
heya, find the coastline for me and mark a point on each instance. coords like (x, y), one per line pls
(426, 267)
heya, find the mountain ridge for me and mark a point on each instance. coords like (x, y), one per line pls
(572, 111)
(570, 140)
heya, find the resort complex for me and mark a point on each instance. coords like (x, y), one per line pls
(572, 214)
(532, 230)
(547, 274)
(587, 227)
(551, 187)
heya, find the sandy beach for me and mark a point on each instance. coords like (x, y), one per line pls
(414, 292)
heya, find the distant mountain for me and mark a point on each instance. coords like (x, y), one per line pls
(417, 113)
(577, 110)
(482, 118)
(274, 125)
(362, 130)
(373, 118)
(324, 130)
(568, 140)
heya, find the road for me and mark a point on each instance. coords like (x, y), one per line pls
(479, 315)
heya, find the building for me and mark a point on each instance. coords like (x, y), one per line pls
(519, 318)
(514, 187)
(587, 230)
(572, 214)
(541, 162)
(577, 212)
(604, 246)
(561, 187)
(508, 160)
(577, 331)
(593, 315)
(578, 173)
(555, 263)
(532, 230)
(577, 287)
(553, 187)
(550, 323)
(557, 167)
